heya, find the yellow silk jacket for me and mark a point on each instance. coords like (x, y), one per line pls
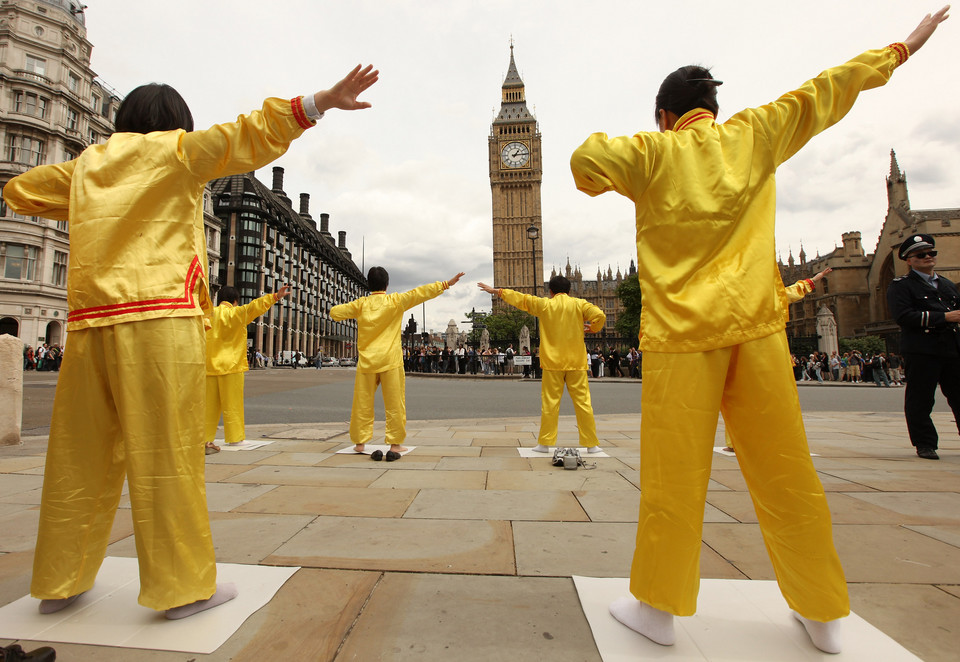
(705, 201)
(799, 290)
(561, 327)
(227, 335)
(135, 208)
(379, 317)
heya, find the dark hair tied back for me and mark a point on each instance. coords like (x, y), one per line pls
(688, 88)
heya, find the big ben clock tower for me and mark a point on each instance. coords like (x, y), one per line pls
(516, 170)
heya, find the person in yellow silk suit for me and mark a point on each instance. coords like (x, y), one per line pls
(130, 396)
(379, 317)
(563, 321)
(794, 293)
(712, 333)
(227, 361)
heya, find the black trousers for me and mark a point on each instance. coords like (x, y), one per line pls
(924, 372)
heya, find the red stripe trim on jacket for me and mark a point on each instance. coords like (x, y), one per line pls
(194, 272)
(296, 104)
(901, 50)
(693, 118)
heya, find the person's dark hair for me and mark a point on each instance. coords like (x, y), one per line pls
(560, 285)
(229, 294)
(153, 107)
(378, 279)
(687, 88)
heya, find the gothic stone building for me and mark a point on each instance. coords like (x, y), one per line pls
(856, 291)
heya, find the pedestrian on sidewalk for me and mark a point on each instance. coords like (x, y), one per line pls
(713, 336)
(563, 321)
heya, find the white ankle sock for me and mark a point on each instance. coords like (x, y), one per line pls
(825, 636)
(594, 449)
(652, 623)
(224, 593)
(53, 606)
(540, 448)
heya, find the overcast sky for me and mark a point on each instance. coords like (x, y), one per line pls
(408, 179)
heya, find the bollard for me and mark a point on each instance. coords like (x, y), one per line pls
(11, 389)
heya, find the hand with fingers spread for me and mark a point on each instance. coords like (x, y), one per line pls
(344, 94)
(453, 281)
(486, 288)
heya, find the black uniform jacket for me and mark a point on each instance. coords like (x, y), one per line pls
(919, 310)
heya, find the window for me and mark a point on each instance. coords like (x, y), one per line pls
(73, 82)
(59, 269)
(29, 104)
(68, 155)
(18, 262)
(93, 137)
(36, 65)
(95, 102)
(24, 149)
(73, 119)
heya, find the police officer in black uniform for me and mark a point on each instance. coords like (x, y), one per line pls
(927, 308)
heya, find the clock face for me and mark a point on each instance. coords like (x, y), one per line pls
(515, 155)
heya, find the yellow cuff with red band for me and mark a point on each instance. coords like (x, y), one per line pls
(810, 282)
(903, 53)
(296, 104)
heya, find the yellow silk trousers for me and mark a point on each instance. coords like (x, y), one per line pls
(394, 406)
(551, 390)
(225, 394)
(129, 402)
(752, 384)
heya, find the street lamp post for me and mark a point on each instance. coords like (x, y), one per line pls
(533, 232)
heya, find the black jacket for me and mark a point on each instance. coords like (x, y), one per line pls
(919, 310)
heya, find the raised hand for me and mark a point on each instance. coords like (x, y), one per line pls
(282, 292)
(453, 281)
(926, 28)
(486, 288)
(344, 94)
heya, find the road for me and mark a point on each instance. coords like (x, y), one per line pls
(306, 396)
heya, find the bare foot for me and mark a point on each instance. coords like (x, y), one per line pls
(652, 623)
(729, 449)
(594, 449)
(359, 448)
(53, 606)
(211, 448)
(397, 448)
(224, 593)
(540, 448)
(825, 636)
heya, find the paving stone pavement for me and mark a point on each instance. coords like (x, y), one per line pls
(464, 550)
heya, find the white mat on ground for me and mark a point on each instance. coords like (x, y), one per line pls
(720, 449)
(108, 614)
(369, 448)
(245, 445)
(529, 452)
(737, 619)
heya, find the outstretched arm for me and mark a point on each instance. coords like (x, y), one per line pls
(926, 28)
(344, 94)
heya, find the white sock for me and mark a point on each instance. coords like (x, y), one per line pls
(594, 449)
(652, 623)
(825, 636)
(224, 593)
(53, 606)
(540, 448)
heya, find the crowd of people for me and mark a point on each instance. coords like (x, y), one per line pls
(881, 368)
(45, 357)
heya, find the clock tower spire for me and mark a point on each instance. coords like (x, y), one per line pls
(516, 172)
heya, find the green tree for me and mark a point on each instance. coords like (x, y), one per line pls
(628, 323)
(863, 344)
(478, 323)
(504, 325)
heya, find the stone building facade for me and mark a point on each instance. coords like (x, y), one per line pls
(51, 107)
(856, 291)
(266, 244)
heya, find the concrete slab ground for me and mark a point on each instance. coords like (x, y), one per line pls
(464, 550)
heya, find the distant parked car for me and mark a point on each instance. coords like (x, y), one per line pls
(329, 362)
(347, 362)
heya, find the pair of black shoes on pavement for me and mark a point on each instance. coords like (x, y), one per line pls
(14, 653)
(378, 455)
(927, 453)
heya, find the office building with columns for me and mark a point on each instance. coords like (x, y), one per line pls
(266, 244)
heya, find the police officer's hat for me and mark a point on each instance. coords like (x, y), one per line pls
(915, 242)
